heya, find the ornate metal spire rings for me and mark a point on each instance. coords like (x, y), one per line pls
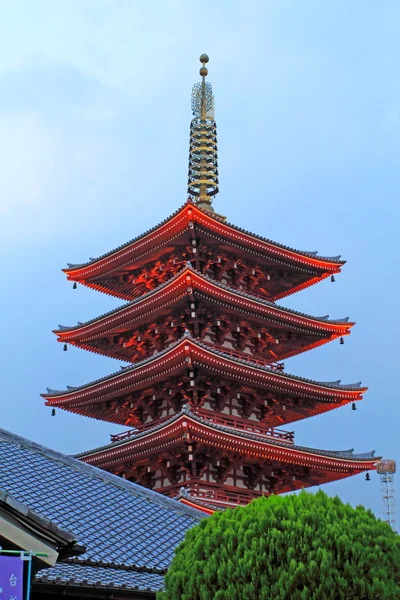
(203, 156)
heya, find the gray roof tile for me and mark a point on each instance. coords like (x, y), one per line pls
(100, 577)
(120, 523)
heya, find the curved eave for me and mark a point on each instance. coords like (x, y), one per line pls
(292, 415)
(277, 296)
(290, 382)
(136, 247)
(249, 446)
(303, 286)
(186, 352)
(284, 356)
(177, 287)
(161, 233)
(191, 502)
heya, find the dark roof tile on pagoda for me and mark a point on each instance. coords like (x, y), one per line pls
(334, 385)
(326, 465)
(335, 260)
(175, 360)
(218, 285)
(73, 267)
(345, 454)
(337, 385)
(159, 239)
(129, 532)
(189, 283)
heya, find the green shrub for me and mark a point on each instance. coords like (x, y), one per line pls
(298, 547)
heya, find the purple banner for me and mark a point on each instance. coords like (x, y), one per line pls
(11, 578)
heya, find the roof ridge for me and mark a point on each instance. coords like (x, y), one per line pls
(95, 472)
(117, 443)
(144, 296)
(187, 412)
(130, 367)
(224, 286)
(267, 368)
(268, 302)
(312, 255)
(211, 349)
(71, 267)
(334, 453)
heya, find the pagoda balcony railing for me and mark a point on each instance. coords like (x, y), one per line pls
(262, 362)
(236, 423)
(255, 428)
(224, 497)
(116, 437)
(212, 493)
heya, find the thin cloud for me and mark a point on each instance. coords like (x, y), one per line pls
(28, 156)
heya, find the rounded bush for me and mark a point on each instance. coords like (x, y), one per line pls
(298, 547)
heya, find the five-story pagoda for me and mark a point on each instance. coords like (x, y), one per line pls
(205, 393)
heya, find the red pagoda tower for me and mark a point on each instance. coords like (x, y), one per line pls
(205, 393)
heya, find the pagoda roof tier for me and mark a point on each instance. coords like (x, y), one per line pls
(148, 322)
(187, 429)
(187, 224)
(99, 399)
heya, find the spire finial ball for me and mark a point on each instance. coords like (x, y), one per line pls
(203, 71)
(204, 59)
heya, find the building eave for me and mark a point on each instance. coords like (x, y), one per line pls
(177, 287)
(26, 529)
(184, 352)
(249, 445)
(96, 581)
(161, 233)
(193, 503)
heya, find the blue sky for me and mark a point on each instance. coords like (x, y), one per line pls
(94, 135)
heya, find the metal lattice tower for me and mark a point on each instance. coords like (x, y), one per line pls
(386, 470)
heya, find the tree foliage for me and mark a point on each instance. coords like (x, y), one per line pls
(298, 547)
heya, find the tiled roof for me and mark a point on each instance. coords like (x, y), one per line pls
(347, 454)
(329, 384)
(333, 259)
(218, 284)
(8, 501)
(337, 385)
(71, 266)
(122, 525)
(100, 577)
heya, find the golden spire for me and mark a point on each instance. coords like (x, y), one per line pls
(203, 157)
